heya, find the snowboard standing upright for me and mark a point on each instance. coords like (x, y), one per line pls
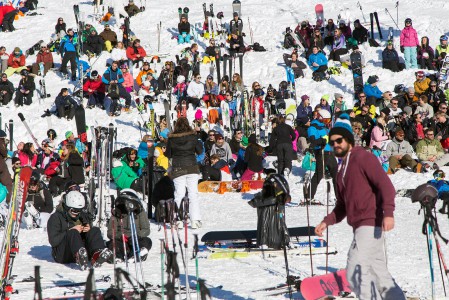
(443, 74)
(291, 82)
(319, 11)
(237, 7)
(80, 119)
(356, 64)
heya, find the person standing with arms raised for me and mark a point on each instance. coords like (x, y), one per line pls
(365, 195)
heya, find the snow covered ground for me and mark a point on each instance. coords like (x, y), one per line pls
(407, 252)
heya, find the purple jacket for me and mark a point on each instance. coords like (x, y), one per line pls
(409, 37)
(365, 194)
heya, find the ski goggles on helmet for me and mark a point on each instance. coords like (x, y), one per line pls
(439, 175)
(72, 188)
(75, 211)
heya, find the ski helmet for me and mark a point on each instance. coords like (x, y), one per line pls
(94, 74)
(128, 200)
(35, 178)
(51, 134)
(408, 20)
(75, 200)
(181, 79)
(424, 193)
(24, 72)
(439, 174)
(324, 114)
(443, 38)
(280, 183)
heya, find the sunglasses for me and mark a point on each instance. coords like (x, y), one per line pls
(211, 134)
(443, 107)
(433, 86)
(362, 96)
(75, 211)
(336, 141)
(364, 111)
(430, 134)
(394, 103)
(73, 188)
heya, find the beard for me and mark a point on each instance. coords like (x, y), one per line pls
(340, 151)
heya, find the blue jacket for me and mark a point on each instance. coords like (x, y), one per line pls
(318, 58)
(318, 136)
(200, 157)
(143, 150)
(372, 91)
(109, 75)
(68, 45)
(303, 111)
(441, 185)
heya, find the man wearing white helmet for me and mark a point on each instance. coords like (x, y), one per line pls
(72, 236)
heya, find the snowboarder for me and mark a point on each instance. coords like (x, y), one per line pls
(369, 218)
(72, 236)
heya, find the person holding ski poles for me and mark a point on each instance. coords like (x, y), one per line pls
(365, 195)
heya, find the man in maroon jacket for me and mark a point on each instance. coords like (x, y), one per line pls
(365, 195)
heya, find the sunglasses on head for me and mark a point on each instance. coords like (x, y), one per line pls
(336, 141)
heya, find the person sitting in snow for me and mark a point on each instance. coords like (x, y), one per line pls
(72, 236)
(94, 90)
(109, 37)
(421, 83)
(318, 62)
(372, 91)
(125, 177)
(16, 62)
(39, 202)
(217, 171)
(134, 162)
(442, 187)
(132, 9)
(425, 54)
(390, 58)
(400, 153)
(293, 62)
(65, 105)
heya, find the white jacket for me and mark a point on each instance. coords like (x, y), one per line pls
(195, 90)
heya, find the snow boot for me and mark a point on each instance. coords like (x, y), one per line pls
(196, 224)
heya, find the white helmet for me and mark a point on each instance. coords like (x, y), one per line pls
(146, 83)
(181, 79)
(325, 114)
(74, 199)
(116, 163)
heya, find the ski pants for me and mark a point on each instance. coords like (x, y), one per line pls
(410, 58)
(11, 70)
(3, 65)
(440, 161)
(330, 163)
(144, 242)
(66, 111)
(73, 241)
(93, 48)
(5, 98)
(56, 185)
(22, 98)
(35, 69)
(189, 182)
(195, 102)
(366, 269)
(8, 20)
(96, 99)
(426, 63)
(69, 56)
(183, 38)
(285, 156)
(405, 161)
(393, 66)
(335, 54)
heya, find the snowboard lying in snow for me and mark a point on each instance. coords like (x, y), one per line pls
(229, 186)
(331, 284)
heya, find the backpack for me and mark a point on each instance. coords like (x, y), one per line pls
(258, 48)
(113, 91)
(213, 116)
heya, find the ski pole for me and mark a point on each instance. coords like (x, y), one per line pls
(125, 254)
(360, 6)
(162, 269)
(397, 12)
(195, 255)
(282, 228)
(186, 244)
(395, 23)
(440, 258)
(137, 251)
(308, 217)
(135, 245)
(327, 231)
(429, 250)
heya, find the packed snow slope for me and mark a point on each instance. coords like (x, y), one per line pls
(406, 245)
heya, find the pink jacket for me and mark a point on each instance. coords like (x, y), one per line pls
(129, 80)
(26, 161)
(409, 37)
(377, 137)
(295, 146)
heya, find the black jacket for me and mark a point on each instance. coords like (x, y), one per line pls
(60, 27)
(297, 65)
(60, 222)
(94, 40)
(7, 86)
(141, 221)
(435, 98)
(442, 129)
(73, 168)
(360, 34)
(282, 134)
(63, 101)
(236, 26)
(235, 145)
(184, 27)
(253, 160)
(27, 84)
(181, 148)
(237, 44)
(42, 200)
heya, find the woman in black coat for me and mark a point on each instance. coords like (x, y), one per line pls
(281, 140)
(182, 148)
(60, 26)
(72, 169)
(25, 90)
(94, 43)
(390, 59)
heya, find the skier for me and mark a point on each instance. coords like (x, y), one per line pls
(72, 236)
(369, 215)
(45, 57)
(16, 62)
(95, 90)
(183, 30)
(326, 164)
(390, 58)
(425, 55)
(65, 104)
(281, 140)
(182, 145)
(68, 52)
(318, 62)
(6, 90)
(25, 89)
(39, 202)
(409, 43)
(120, 228)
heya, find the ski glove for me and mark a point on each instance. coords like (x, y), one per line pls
(402, 49)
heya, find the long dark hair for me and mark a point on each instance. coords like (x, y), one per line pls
(182, 126)
(27, 150)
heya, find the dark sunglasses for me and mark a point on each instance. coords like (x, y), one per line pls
(365, 111)
(73, 188)
(362, 96)
(443, 108)
(336, 141)
(75, 211)
(212, 134)
(394, 103)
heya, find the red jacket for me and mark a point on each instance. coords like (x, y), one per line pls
(132, 55)
(365, 194)
(95, 85)
(13, 63)
(261, 108)
(4, 10)
(44, 57)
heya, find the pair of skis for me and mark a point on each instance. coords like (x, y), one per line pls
(373, 16)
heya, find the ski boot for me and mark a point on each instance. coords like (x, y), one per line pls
(100, 257)
(81, 258)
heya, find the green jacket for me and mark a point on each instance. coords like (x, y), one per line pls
(86, 32)
(124, 176)
(139, 164)
(426, 148)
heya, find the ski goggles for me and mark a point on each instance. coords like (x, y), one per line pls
(73, 188)
(75, 211)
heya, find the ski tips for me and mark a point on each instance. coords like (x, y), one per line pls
(22, 118)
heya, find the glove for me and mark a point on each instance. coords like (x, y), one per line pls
(417, 48)
(402, 49)
(125, 238)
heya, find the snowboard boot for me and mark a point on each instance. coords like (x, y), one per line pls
(286, 172)
(81, 258)
(196, 224)
(100, 257)
(143, 255)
